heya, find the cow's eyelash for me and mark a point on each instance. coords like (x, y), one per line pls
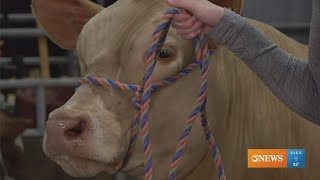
(166, 52)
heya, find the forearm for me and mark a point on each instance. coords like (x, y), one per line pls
(314, 42)
(288, 77)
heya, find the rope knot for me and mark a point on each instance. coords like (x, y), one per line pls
(136, 103)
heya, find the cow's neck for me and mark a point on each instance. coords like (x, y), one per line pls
(204, 170)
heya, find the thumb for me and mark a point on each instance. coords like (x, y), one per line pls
(183, 4)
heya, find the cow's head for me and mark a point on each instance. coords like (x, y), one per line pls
(91, 132)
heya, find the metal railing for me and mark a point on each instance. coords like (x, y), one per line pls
(21, 32)
(36, 60)
(16, 18)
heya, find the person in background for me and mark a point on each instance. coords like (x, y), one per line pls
(294, 81)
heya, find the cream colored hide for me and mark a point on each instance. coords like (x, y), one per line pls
(90, 133)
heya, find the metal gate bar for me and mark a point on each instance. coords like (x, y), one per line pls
(21, 17)
(36, 60)
(21, 32)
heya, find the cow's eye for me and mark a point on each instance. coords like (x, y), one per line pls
(166, 54)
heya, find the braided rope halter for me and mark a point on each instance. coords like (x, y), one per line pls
(142, 99)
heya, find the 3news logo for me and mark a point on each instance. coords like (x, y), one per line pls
(276, 158)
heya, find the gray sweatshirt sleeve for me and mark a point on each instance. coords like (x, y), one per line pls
(294, 81)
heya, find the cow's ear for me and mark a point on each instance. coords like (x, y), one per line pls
(234, 5)
(63, 20)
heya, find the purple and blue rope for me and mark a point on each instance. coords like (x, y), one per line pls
(202, 56)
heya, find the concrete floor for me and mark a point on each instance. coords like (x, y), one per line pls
(36, 166)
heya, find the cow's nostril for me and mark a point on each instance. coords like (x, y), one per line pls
(76, 131)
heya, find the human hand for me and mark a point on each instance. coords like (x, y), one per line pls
(203, 15)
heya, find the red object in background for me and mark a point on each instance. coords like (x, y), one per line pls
(25, 105)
